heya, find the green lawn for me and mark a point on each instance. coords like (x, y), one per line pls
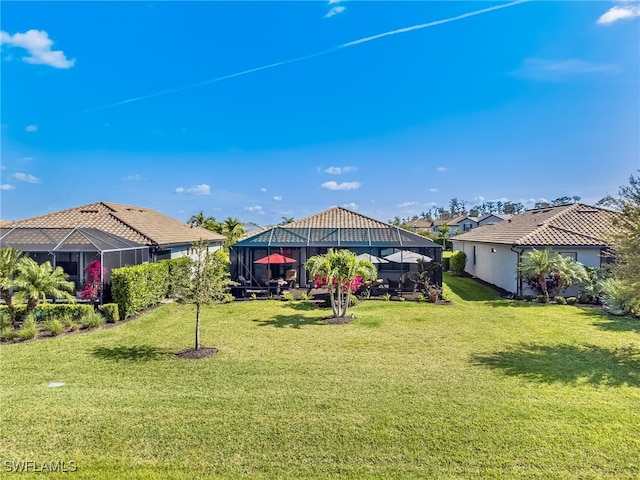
(482, 388)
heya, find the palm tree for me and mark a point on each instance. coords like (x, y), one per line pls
(339, 269)
(210, 223)
(9, 259)
(544, 265)
(37, 282)
(537, 264)
(234, 230)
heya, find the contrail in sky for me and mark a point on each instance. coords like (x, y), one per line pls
(307, 57)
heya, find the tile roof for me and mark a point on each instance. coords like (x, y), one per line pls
(138, 224)
(567, 225)
(337, 217)
(337, 226)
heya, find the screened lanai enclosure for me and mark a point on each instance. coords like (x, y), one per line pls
(73, 249)
(301, 243)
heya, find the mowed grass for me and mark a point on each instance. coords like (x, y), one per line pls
(481, 388)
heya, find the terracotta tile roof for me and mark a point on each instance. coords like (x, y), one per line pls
(337, 227)
(337, 217)
(571, 225)
(138, 224)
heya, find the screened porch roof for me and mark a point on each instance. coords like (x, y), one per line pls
(65, 240)
(389, 236)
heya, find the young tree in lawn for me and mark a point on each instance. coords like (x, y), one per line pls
(37, 282)
(625, 239)
(340, 271)
(9, 260)
(206, 280)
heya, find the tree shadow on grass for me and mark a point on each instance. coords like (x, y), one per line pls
(303, 306)
(288, 321)
(569, 364)
(136, 353)
(612, 323)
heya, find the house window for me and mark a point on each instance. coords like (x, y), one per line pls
(474, 254)
(571, 255)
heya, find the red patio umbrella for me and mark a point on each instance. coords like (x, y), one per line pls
(275, 258)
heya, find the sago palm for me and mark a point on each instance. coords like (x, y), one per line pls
(37, 282)
(538, 264)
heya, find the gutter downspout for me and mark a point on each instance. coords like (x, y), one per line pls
(518, 276)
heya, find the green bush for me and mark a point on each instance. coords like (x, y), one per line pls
(29, 329)
(137, 287)
(458, 261)
(616, 297)
(46, 311)
(422, 298)
(7, 334)
(353, 300)
(541, 299)
(110, 312)
(446, 264)
(287, 297)
(560, 300)
(91, 320)
(572, 300)
(54, 326)
(69, 323)
(305, 297)
(386, 297)
(177, 268)
(227, 298)
(5, 320)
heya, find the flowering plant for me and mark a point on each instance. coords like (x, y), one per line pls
(93, 277)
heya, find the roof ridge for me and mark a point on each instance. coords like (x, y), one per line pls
(113, 214)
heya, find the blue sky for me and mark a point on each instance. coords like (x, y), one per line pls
(264, 110)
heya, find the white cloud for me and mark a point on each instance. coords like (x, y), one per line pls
(407, 204)
(340, 186)
(254, 209)
(622, 12)
(277, 198)
(133, 178)
(263, 189)
(333, 2)
(203, 189)
(6, 186)
(557, 70)
(180, 190)
(433, 190)
(339, 170)
(38, 44)
(441, 169)
(335, 11)
(25, 177)
(351, 206)
(31, 128)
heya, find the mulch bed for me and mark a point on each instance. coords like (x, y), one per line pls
(338, 320)
(192, 354)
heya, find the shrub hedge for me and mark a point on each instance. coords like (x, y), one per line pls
(137, 287)
(47, 311)
(110, 312)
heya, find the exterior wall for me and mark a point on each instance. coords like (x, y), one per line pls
(490, 220)
(183, 250)
(494, 263)
(497, 264)
(466, 225)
